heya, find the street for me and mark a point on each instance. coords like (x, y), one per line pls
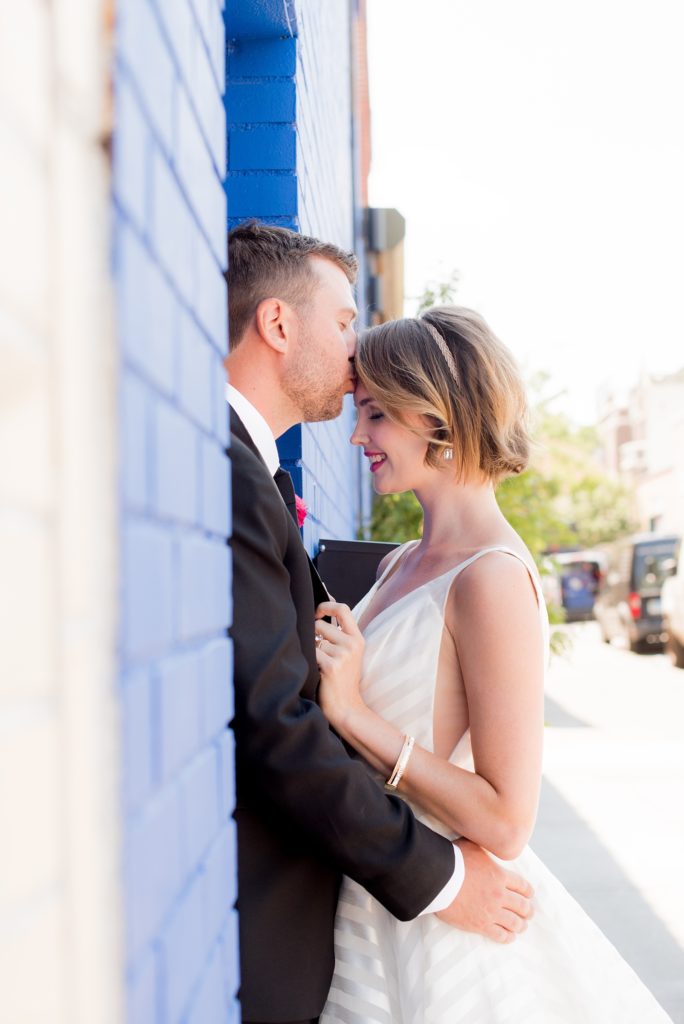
(611, 820)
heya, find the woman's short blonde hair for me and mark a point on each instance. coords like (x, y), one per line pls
(470, 393)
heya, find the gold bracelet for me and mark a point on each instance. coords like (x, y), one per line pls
(402, 761)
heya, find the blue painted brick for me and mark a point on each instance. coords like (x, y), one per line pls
(217, 686)
(203, 587)
(227, 766)
(134, 454)
(196, 369)
(148, 589)
(267, 58)
(173, 232)
(290, 444)
(179, 707)
(231, 956)
(263, 148)
(209, 1004)
(179, 26)
(200, 179)
(140, 44)
(221, 411)
(258, 102)
(208, 99)
(136, 711)
(283, 222)
(261, 195)
(199, 787)
(184, 947)
(215, 488)
(146, 311)
(130, 151)
(142, 992)
(220, 886)
(212, 298)
(211, 26)
(176, 443)
(152, 869)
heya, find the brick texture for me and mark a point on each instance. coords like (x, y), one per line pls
(291, 162)
(176, 697)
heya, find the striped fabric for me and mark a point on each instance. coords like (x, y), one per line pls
(561, 971)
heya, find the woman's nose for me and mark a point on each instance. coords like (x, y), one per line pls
(358, 437)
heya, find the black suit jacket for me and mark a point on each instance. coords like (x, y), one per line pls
(306, 811)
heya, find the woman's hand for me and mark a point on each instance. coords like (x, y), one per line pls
(339, 653)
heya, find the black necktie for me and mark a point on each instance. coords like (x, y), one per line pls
(284, 484)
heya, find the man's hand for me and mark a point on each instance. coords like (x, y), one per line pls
(492, 901)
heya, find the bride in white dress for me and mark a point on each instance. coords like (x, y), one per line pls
(440, 670)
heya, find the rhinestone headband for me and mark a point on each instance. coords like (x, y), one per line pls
(443, 348)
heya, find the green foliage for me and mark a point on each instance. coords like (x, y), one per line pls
(439, 293)
(563, 499)
(396, 518)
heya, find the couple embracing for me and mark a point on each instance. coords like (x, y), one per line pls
(389, 760)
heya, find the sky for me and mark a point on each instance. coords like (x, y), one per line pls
(537, 148)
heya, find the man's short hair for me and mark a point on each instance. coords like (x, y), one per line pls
(271, 262)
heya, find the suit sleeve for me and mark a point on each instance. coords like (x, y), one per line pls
(285, 747)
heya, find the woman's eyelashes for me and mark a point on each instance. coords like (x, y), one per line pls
(376, 415)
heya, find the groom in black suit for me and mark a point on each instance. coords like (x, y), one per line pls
(306, 811)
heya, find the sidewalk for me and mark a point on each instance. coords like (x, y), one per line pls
(610, 822)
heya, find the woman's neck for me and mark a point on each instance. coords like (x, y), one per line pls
(459, 515)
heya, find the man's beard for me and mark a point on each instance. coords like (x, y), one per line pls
(309, 386)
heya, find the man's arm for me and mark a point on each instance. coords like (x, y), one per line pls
(284, 744)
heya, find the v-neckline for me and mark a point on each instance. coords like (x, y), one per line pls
(409, 593)
(441, 575)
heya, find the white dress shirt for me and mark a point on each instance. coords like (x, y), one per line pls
(260, 432)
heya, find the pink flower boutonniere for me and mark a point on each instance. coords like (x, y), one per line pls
(302, 510)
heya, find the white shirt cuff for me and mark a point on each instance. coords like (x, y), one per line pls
(451, 890)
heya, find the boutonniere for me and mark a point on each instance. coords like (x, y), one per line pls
(302, 510)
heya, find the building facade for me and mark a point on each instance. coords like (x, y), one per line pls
(134, 133)
(642, 436)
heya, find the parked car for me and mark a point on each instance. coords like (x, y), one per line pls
(628, 604)
(673, 614)
(580, 575)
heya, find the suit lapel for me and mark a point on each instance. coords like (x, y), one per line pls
(283, 482)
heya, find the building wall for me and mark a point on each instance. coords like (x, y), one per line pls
(116, 768)
(291, 161)
(169, 250)
(642, 446)
(59, 879)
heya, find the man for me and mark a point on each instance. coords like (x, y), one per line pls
(306, 811)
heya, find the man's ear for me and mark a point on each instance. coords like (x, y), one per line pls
(275, 324)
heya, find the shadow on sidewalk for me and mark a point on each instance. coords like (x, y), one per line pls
(559, 718)
(570, 848)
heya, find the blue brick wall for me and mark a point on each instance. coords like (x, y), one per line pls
(169, 211)
(291, 161)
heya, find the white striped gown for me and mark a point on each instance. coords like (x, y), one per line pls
(562, 970)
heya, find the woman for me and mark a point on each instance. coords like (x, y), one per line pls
(437, 681)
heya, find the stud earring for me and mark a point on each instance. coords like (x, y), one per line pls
(448, 454)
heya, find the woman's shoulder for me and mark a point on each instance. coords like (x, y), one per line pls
(494, 576)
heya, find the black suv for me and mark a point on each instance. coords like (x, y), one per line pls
(628, 602)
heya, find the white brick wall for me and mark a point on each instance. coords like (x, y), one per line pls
(59, 943)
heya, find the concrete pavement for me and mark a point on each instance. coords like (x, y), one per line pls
(611, 821)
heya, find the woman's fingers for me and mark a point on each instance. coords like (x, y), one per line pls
(341, 612)
(329, 632)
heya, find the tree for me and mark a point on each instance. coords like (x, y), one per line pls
(563, 499)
